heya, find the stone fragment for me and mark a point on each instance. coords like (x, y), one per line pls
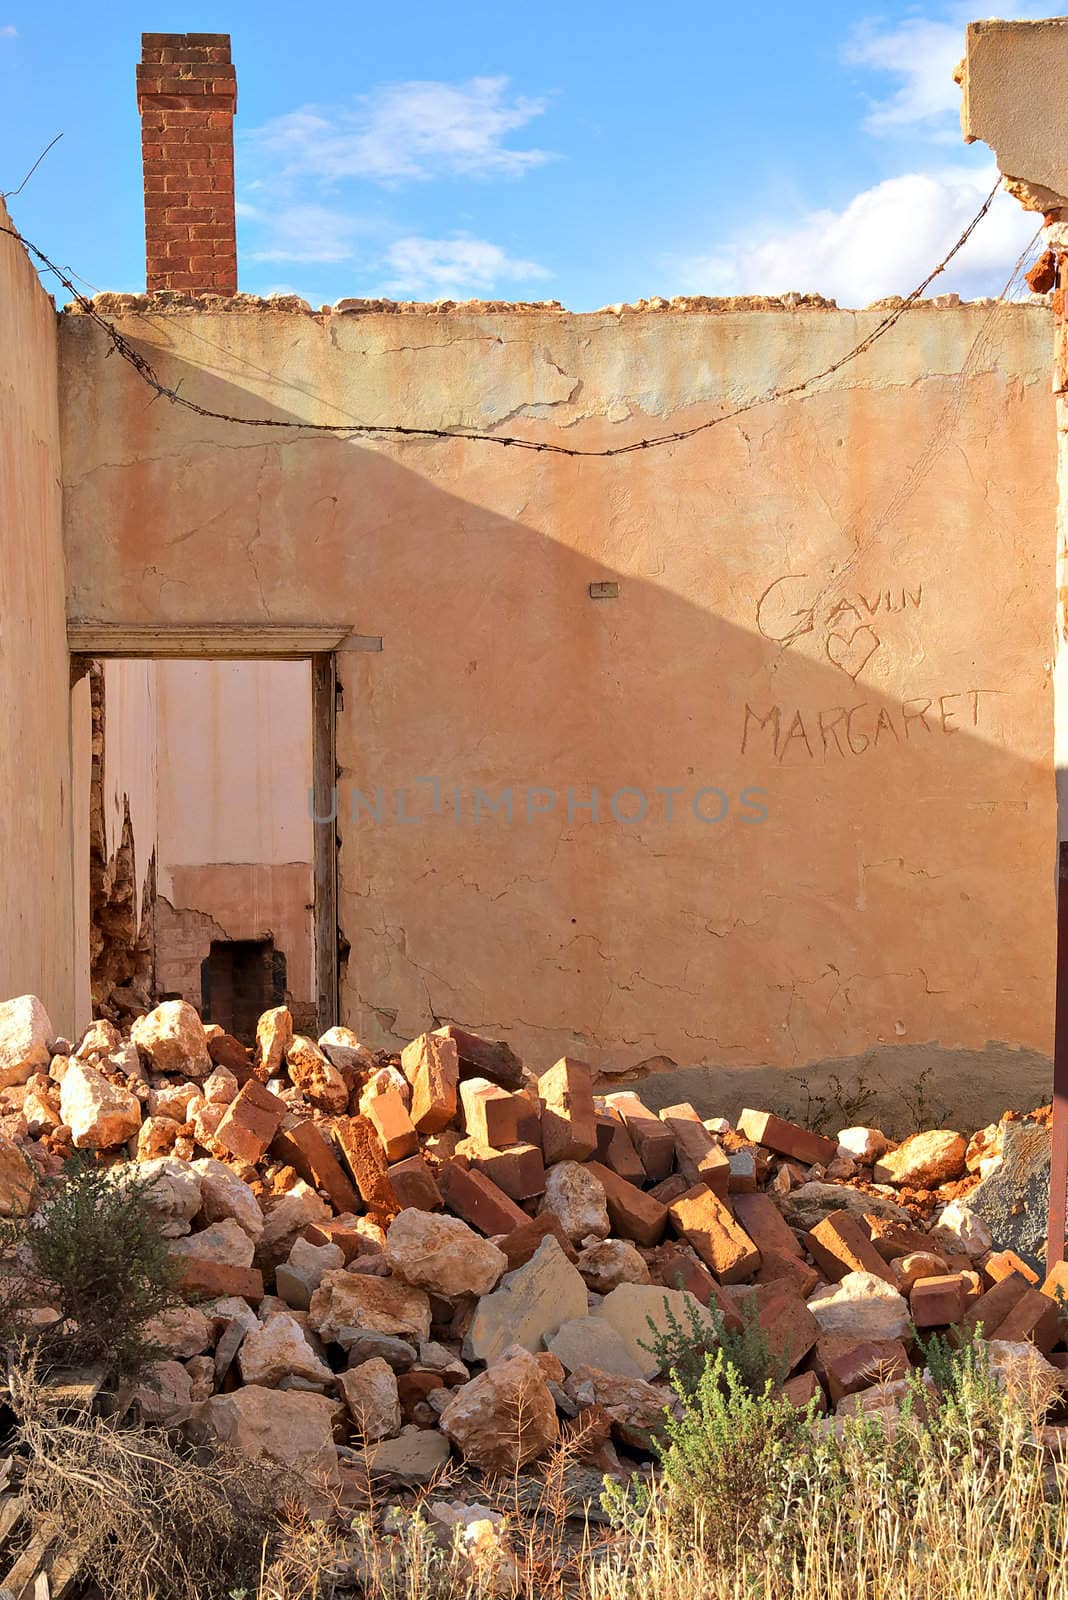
(342, 1048)
(503, 1418)
(370, 1394)
(25, 1035)
(984, 1149)
(220, 1086)
(937, 1302)
(840, 1244)
(352, 1300)
(274, 1035)
(604, 1266)
(431, 1065)
(297, 1279)
(1013, 1201)
(166, 1399)
(520, 1244)
(706, 1223)
(367, 1162)
(484, 1058)
(435, 1357)
(362, 1344)
(414, 1184)
(174, 1100)
(576, 1195)
(477, 1199)
(653, 1140)
(742, 1171)
(442, 1255)
(1025, 1374)
(519, 1171)
(700, 1159)
(225, 1242)
(417, 1456)
(633, 1214)
(182, 1331)
(172, 1038)
(863, 1145)
(568, 1120)
(862, 1305)
(907, 1270)
(171, 1190)
(592, 1342)
(18, 1179)
(224, 1195)
(294, 1430)
(786, 1138)
(809, 1203)
(923, 1161)
(278, 1349)
(529, 1304)
(318, 1080)
(99, 1114)
(632, 1306)
(634, 1407)
(491, 1114)
(250, 1121)
(287, 1215)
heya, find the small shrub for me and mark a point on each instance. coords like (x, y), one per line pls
(94, 1252)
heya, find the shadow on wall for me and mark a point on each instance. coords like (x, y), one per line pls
(822, 854)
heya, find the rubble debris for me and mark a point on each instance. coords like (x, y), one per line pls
(410, 1258)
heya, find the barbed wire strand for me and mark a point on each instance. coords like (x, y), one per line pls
(147, 373)
(9, 194)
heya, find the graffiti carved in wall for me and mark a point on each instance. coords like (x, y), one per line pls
(851, 627)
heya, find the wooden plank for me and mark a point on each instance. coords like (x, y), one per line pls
(12, 1507)
(20, 1578)
(204, 642)
(324, 826)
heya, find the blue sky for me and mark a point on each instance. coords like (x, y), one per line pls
(580, 151)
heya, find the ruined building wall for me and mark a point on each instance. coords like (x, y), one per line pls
(843, 601)
(235, 832)
(36, 817)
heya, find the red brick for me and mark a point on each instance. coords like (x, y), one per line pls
(776, 1266)
(477, 1200)
(707, 1223)
(520, 1245)
(840, 1244)
(484, 1058)
(396, 1132)
(568, 1119)
(1034, 1316)
(214, 1279)
(367, 1162)
(765, 1223)
(786, 1138)
(431, 1065)
(491, 1114)
(615, 1150)
(653, 1141)
(250, 1122)
(938, 1302)
(862, 1364)
(699, 1157)
(632, 1213)
(801, 1390)
(896, 1239)
(304, 1147)
(675, 1268)
(519, 1170)
(789, 1328)
(1001, 1264)
(415, 1185)
(991, 1308)
(1055, 1284)
(669, 1189)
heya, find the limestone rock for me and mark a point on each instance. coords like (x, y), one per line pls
(370, 1393)
(961, 1231)
(225, 1242)
(99, 1114)
(442, 1255)
(811, 1203)
(173, 1038)
(924, 1160)
(18, 1179)
(182, 1331)
(1025, 1374)
(220, 1087)
(290, 1428)
(417, 1456)
(506, 1416)
(174, 1100)
(530, 1303)
(592, 1342)
(631, 1402)
(277, 1350)
(318, 1080)
(606, 1265)
(630, 1308)
(384, 1305)
(172, 1188)
(274, 1035)
(1013, 1200)
(862, 1305)
(576, 1195)
(297, 1279)
(224, 1195)
(363, 1343)
(865, 1145)
(167, 1400)
(287, 1216)
(25, 1035)
(342, 1049)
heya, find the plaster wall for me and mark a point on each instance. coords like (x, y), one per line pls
(843, 601)
(37, 944)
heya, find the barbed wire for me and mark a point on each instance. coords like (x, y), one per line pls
(148, 374)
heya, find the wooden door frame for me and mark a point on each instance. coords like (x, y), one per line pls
(100, 641)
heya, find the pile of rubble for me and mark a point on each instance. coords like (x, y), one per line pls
(394, 1261)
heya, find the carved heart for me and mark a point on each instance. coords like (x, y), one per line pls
(853, 652)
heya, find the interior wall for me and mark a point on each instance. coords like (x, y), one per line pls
(843, 601)
(37, 945)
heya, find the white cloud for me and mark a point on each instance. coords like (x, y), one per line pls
(302, 233)
(883, 242)
(419, 129)
(453, 268)
(9, 31)
(922, 53)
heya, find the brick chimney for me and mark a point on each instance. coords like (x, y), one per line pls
(187, 96)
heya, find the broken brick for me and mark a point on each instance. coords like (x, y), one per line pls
(394, 1127)
(859, 1365)
(802, 1390)
(786, 1138)
(938, 1302)
(414, 1185)
(990, 1309)
(651, 1138)
(519, 1170)
(367, 1163)
(707, 1223)
(568, 1119)
(302, 1145)
(483, 1058)
(700, 1158)
(789, 1328)
(776, 1265)
(675, 1268)
(615, 1150)
(523, 1241)
(431, 1065)
(491, 1114)
(477, 1200)
(1001, 1264)
(213, 1280)
(633, 1213)
(765, 1224)
(250, 1122)
(840, 1244)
